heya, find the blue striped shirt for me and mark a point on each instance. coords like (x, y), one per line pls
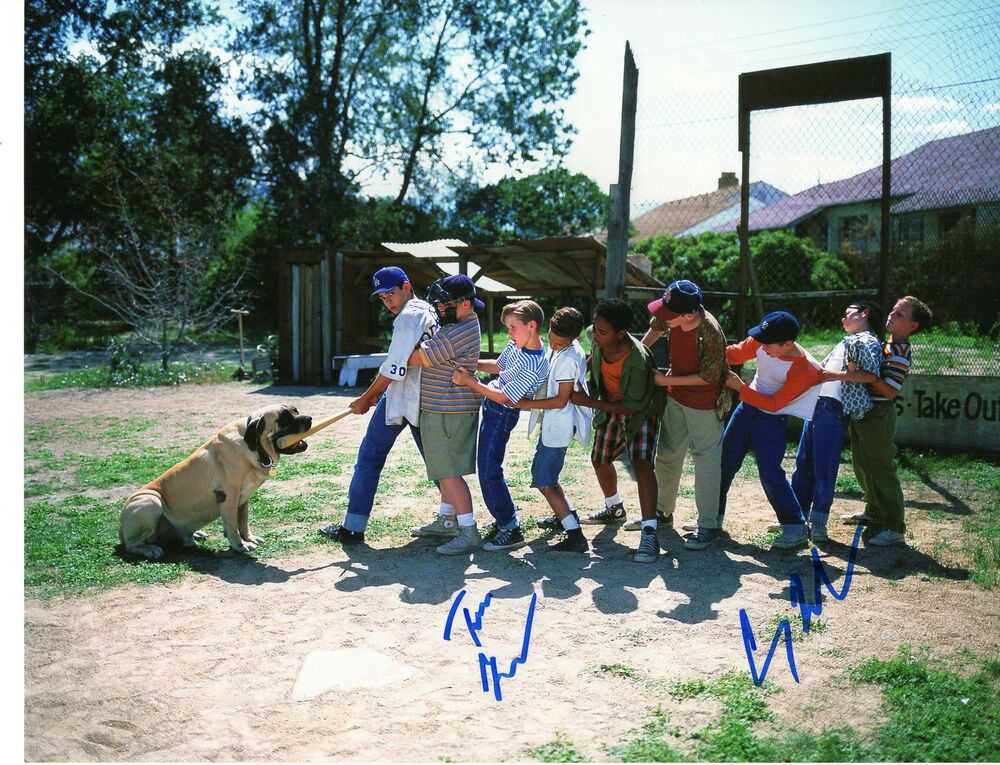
(522, 371)
(453, 346)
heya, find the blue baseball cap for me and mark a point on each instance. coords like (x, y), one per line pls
(776, 327)
(680, 297)
(461, 287)
(386, 279)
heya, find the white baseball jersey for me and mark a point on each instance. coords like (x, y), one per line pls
(414, 324)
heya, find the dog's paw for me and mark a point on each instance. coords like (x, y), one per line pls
(199, 536)
(150, 552)
(243, 547)
(254, 540)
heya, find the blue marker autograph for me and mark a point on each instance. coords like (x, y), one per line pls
(806, 609)
(475, 625)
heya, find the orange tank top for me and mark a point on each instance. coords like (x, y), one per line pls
(611, 376)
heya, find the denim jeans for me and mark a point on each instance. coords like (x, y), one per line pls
(494, 431)
(374, 449)
(818, 459)
(750, 428)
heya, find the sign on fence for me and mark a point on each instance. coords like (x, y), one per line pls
(949, 412)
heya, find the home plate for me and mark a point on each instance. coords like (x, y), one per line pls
(346, 669)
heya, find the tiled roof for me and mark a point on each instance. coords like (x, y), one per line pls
(682, 214)
(947, 172)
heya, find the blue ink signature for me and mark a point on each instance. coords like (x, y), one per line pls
(475, 625)
(806, 609)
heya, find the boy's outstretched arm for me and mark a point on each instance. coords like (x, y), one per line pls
(612, 407)
(556, 402)
(461, 376)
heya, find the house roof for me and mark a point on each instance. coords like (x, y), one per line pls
(947, 172)
(681, 214)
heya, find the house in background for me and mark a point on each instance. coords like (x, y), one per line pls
(717, 210)
(933, 187)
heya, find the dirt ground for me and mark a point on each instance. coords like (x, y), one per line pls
(339, 654)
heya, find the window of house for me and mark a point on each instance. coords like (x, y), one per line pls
(909, 231)
(951, 218)
(855, 232)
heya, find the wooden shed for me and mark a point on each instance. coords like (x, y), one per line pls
(323, 294)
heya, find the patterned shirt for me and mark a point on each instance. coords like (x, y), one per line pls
(895, 366)
(454, 345)
(522, 371)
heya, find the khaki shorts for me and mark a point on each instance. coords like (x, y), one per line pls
(449, 443)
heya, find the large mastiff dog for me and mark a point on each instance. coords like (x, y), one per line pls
(218, 479)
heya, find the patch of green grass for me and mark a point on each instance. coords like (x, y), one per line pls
(38, 490)
(917, 464)
(766, 630)
(146, 375)
(124, 468)
(69, 548)
(560, 749)
(69, 544)
(647, 744)
(616, 670)
(935, 715)
(334, 465)
(982, 542)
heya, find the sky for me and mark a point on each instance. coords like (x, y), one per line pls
(690, 54)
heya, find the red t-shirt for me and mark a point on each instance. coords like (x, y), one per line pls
(685, 360)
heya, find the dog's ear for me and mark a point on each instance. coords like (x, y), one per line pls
(267, 427)
(250, 436)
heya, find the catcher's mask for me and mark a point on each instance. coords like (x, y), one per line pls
(438, 295)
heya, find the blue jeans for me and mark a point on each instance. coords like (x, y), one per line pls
(494, 431)
(818, 459)
(374, 449)
(750, 428)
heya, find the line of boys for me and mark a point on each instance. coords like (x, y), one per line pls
(860, 376)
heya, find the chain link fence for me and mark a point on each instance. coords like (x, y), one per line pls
(816, 185)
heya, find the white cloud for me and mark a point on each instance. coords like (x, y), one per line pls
(991, 107)
(937, 129)
(912, 104)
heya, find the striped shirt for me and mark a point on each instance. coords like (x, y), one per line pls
(453, 346)
(522, 371)
(895, 366)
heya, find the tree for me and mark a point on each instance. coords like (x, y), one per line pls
(552, 203)
(134, 103)
(153, 263)
(359, 89)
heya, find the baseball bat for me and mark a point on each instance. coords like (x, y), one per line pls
(286, 441)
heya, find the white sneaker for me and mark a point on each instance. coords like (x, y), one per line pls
(441, 526)
(792, 536)
(665, 521)
(887, 538)
(467, 540)
(818, 533)
(855, 519)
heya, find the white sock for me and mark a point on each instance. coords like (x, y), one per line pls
(649, 524)
(445, 509)
(570, 522)
(609, 501)
(467, 519)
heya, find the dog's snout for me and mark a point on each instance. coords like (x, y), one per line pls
(305, 422)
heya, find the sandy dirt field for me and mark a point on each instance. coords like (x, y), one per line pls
(339, 654)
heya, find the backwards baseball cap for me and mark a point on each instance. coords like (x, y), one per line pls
(680, 297)
(386, 279)
(776, 327)
(461, 287)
